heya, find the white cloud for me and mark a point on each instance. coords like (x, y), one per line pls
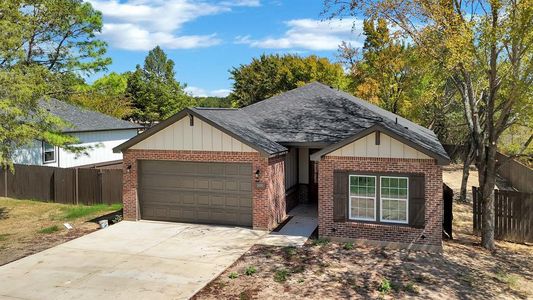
(199, 92)
(133, 37)
(250, 3)
(143, 24)
(312, 35)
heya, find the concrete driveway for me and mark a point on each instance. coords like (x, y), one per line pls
(129, 260)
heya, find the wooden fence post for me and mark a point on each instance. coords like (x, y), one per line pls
(5, 182)
(77, 191)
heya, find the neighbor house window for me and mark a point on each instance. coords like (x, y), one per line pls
(49, 153)
(362, 198)
(394, 192)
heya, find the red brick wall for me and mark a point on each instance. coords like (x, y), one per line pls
(397, 235)
(267, 202)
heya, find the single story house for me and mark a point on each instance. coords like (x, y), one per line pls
(97, 131)
(374, 176)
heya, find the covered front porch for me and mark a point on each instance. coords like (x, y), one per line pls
(301, 177)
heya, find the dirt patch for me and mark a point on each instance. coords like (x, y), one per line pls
(341, 271)
(22, 221)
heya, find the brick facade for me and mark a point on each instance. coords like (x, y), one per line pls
(268, 195)
(402, 236)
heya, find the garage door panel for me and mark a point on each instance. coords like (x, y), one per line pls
(217, 185)
(245, 186)
(214, 193)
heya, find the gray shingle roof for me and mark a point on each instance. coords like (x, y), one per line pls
(314, 113)
(81, 119)
(318, 113)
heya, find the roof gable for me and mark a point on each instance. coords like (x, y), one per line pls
(253, 140)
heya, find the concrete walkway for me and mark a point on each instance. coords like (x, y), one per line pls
(129, 260)
(297, 230)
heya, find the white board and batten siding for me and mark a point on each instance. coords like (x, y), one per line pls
(387, 148)
(101, 145)
(200, 137)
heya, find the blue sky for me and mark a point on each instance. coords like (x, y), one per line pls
(207, 38)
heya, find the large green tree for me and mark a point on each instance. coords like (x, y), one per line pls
(106, 95)
(44, 45)
(486, 48)
(59, 35)
(395, 75)
(154, 90)
(269, 75)
(22, 119)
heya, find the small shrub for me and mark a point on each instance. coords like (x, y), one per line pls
(320, 242)
(281, 275)
(233, 275)
(411, 288)
(249, 271)
(290, 251)
(384, 286)
(348, 246)
(48, 230)
(117, 219)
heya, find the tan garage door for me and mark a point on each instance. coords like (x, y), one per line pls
(194, 192)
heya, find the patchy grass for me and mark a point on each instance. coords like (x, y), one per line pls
(320, 242)
(385, 286)
(80, 211)
(50, 229)
(251, 270)
(281, 275)
(27, 227)
(334, 271)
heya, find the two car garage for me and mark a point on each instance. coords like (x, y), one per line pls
(195, 192)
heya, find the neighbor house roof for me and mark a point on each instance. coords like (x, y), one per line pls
(80, 119)
(313, 115)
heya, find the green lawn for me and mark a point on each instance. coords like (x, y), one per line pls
(28, 226)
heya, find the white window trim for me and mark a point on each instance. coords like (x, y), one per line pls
(44, 154)
(350, 198)
(386, 198)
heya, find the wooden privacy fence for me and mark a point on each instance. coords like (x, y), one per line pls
(517, 174)
(67, 186)
(513, 215)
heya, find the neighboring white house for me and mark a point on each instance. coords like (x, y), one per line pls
(99, 132)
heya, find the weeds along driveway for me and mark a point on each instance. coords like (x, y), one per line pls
(129, 260)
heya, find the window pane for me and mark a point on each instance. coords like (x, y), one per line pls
(403, 183)
(48, 147)
(362, 197)
(49, 156)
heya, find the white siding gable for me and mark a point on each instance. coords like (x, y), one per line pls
(387, 148)
(200, 137)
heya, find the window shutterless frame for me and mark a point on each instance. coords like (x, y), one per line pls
(381, 198)
(47, 148)
(350, 196)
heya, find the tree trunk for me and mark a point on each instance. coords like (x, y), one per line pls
(487, 179)
(467, 161)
